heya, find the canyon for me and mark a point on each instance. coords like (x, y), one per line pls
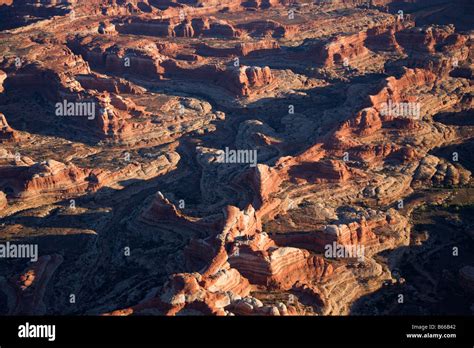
(134, 213)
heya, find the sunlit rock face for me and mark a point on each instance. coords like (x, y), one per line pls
(236, 157)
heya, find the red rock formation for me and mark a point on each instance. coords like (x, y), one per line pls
(339, 50)
(53, 175)
(321, 172)
(396, 89)
(370, 120)
(366, 122)
(383, 37)
(3, 76)
(240, 223)
(264, 181)
(258, 258)
(43, 179)
(163, 210)
(31, 286)
(102, 84)
(241, 81)
(264, 264)
(206, 294)
(107, 28)
(244, 80)
(435, 48)
(175, 27)
(240, 50)
(355, 233)
(246, 48)
(431, 39)
(348, 49)
(7, 134)
(148, 61)
(434, 170)
(268, 27)
(305, 196)
(235, 223)
(3, 200)
(360, 232)
(373, 153)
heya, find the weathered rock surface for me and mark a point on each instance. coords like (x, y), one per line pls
(337, 120)
(7, 134)
(29, 288)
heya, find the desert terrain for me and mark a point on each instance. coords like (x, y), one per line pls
(237, 157)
